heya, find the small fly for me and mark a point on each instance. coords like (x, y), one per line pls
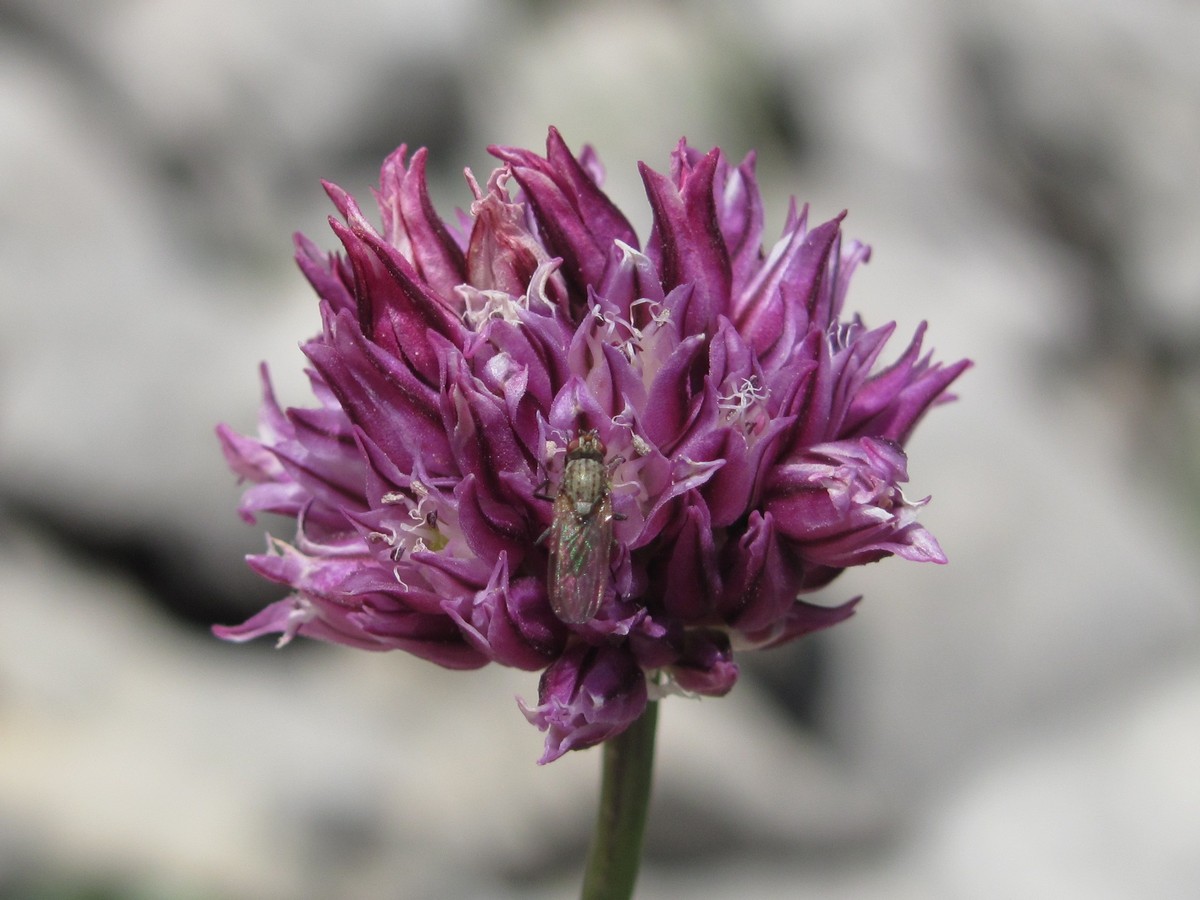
(581, 534)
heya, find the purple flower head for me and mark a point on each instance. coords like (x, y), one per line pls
(541, 443)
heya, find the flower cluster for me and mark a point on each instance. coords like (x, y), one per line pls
(749, 444)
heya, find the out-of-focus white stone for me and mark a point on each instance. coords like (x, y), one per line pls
(1119, 86)
(1103, 801)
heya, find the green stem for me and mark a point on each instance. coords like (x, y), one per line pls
(616, 852)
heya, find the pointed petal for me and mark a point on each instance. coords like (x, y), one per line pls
(689, 243)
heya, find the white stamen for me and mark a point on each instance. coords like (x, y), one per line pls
(630, 346)
(659, 314)
(740, 405)
(480, 306)
(400, 581)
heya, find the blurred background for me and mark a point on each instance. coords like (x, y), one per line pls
(1022, 723)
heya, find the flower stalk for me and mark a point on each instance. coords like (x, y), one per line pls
(626, 779)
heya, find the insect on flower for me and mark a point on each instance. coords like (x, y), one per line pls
(581, 534)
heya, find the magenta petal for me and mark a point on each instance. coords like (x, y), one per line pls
(395, 310)
(689, 241)
(291, 617)
(782, 303)
(383, 397)
(706, 665)
(329, 276)
(728, 491)
(586, 696)
(761, 585)
(435, 638)
(411, 225)
(891, 402)
(668, 404)
(841, 505)
(740, 218)
(801, 619)
(577, 221)
(689, 589)
(509, 622)
(283, 617)
(481, 434)
(251, 460)
(629, 277)
(503, 253)
(490, 528)
(320, 608)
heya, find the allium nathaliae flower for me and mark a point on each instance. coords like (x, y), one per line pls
(749, 445)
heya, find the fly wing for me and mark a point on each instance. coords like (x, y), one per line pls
(580, 557)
